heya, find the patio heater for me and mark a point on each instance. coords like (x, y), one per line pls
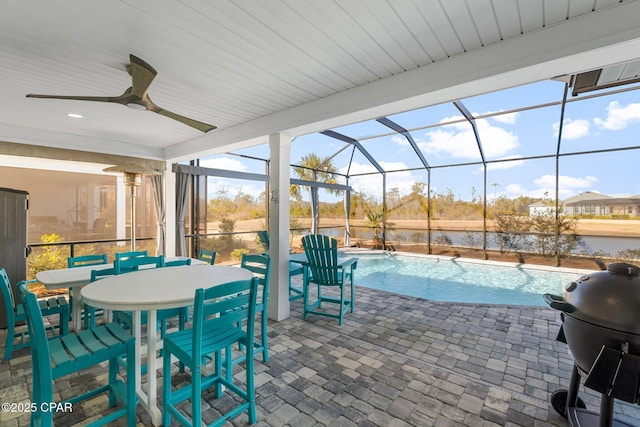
(132, 179)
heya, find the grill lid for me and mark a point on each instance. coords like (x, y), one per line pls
(609, 298)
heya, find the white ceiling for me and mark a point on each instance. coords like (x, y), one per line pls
(253, 68)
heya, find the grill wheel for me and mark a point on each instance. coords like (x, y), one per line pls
(559, 402)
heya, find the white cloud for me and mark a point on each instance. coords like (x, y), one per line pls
(400, 140)
(372, 184)
(618, 117)
(506, 165)
(572, 129)
(458, 141)
(508, 119)
(226, 163)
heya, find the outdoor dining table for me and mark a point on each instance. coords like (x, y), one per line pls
(148, 291)
(75, 278)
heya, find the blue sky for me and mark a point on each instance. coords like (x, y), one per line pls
(594, 124)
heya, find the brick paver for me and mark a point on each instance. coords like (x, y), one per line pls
(397, 361)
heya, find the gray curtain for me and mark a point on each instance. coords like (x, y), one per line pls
(314, 210)
(347, 211)
(182, 193)
(157, 182)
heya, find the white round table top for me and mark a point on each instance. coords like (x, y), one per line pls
(158, 288)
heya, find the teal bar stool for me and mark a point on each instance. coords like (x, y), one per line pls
(260, 266)
(83, 261)
(224, 316)
(207, 256)
(15, 316)
(58, 357)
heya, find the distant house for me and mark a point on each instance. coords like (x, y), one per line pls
(591, 203)
(542, 207)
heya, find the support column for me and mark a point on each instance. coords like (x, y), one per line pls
(280, 150)
(121, 210)
(170, 209)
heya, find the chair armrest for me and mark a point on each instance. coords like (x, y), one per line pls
(351, 262)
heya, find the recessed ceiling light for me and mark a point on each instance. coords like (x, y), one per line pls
(74, 115)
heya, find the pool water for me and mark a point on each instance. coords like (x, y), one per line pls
(443, 279)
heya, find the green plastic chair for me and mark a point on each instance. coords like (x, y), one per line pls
(57, 357)
(224, 315)
(323, 269)
(260, 266)
(207, 256)
(15, 315)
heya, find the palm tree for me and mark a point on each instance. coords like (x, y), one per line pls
(318, 169)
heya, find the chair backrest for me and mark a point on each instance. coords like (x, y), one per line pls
(322, 258)
(260, 266)
(133, 264)
(40, 352)
(131, 254)
(223, 307)
(263, 236)
(96, 274)
(7, 296)
(80, 261)
(178, 262)
(207, 256)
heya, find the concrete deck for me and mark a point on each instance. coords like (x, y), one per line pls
(397, 361)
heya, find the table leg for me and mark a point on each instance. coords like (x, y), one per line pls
(77, 307)
(148, 397)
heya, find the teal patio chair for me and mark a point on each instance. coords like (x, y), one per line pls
(323, 269)
(130, 254)
(86, 260)
(58, 357)
(127, 265)
(91, 313)
(260, 266)
(178, 262)
(263, 237)
(83, 261)
(295, 269)
(207, 256)
(15, 315)
(224, 315)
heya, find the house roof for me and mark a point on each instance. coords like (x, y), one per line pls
(257, 68)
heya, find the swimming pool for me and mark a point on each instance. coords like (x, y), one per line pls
(459, 280)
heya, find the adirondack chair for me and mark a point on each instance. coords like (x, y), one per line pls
(323, 269)
(58, 357)
(207, 256)
(224, 315)
(15, 315)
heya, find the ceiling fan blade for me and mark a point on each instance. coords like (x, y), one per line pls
(142, 74)
(78, 98)
(203, 127)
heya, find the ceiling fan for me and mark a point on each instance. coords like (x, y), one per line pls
(136, 97)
